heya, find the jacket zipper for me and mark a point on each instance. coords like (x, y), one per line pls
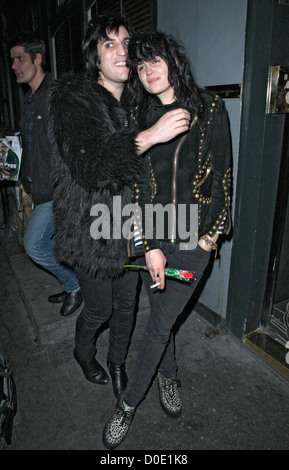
(174, 184)
(205, 177)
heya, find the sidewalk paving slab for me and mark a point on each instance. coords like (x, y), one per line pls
(232, 399)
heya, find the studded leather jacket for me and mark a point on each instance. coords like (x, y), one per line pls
(191, 169)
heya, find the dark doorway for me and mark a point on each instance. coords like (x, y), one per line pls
(276, 303)
(260, 242)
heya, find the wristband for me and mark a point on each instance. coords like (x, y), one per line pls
(213, 245)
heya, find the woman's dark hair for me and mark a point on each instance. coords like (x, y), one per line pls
(145, 47)
(98, 29)
(32, 43)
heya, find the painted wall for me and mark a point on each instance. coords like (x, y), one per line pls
(213, 33)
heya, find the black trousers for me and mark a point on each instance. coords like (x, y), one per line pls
(106, 299)
(157, 346)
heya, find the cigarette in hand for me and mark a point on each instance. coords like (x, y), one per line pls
(155, 285)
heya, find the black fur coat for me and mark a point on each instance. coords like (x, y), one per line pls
(94, 158)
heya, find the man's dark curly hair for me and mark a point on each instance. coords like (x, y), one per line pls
(145, 47)
(98, 29)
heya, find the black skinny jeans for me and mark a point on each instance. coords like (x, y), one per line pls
(104, 299)
(157, 346)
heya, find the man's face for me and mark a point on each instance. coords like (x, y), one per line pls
(112, 55)
(22, 65)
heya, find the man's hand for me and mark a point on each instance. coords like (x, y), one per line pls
(170, 125)
(156, 261)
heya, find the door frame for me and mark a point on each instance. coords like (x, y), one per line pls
(261, 137)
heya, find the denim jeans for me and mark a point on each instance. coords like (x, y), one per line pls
(39, 244)
(106, 299)
(157, 346)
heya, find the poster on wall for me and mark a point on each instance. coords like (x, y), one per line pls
(10, 157)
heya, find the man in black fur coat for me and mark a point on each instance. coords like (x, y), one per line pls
(96, 161)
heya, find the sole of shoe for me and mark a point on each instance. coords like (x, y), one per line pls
(169, 413)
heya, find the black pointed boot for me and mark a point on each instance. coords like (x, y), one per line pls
(118, 377)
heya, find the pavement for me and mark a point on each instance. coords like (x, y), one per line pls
(232, 399)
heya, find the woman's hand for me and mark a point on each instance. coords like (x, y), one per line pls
(156, 261)
(207, 246)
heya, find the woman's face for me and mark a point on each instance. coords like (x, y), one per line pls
(154, 77)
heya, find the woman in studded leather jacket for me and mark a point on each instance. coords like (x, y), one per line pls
(191, 169)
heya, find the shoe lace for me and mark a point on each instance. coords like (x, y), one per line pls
(124, 415)
(171, 386)
(172, 383)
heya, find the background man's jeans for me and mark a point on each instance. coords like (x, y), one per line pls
(157, 346)
(39, 244)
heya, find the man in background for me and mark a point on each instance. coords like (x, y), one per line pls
(27, 54)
